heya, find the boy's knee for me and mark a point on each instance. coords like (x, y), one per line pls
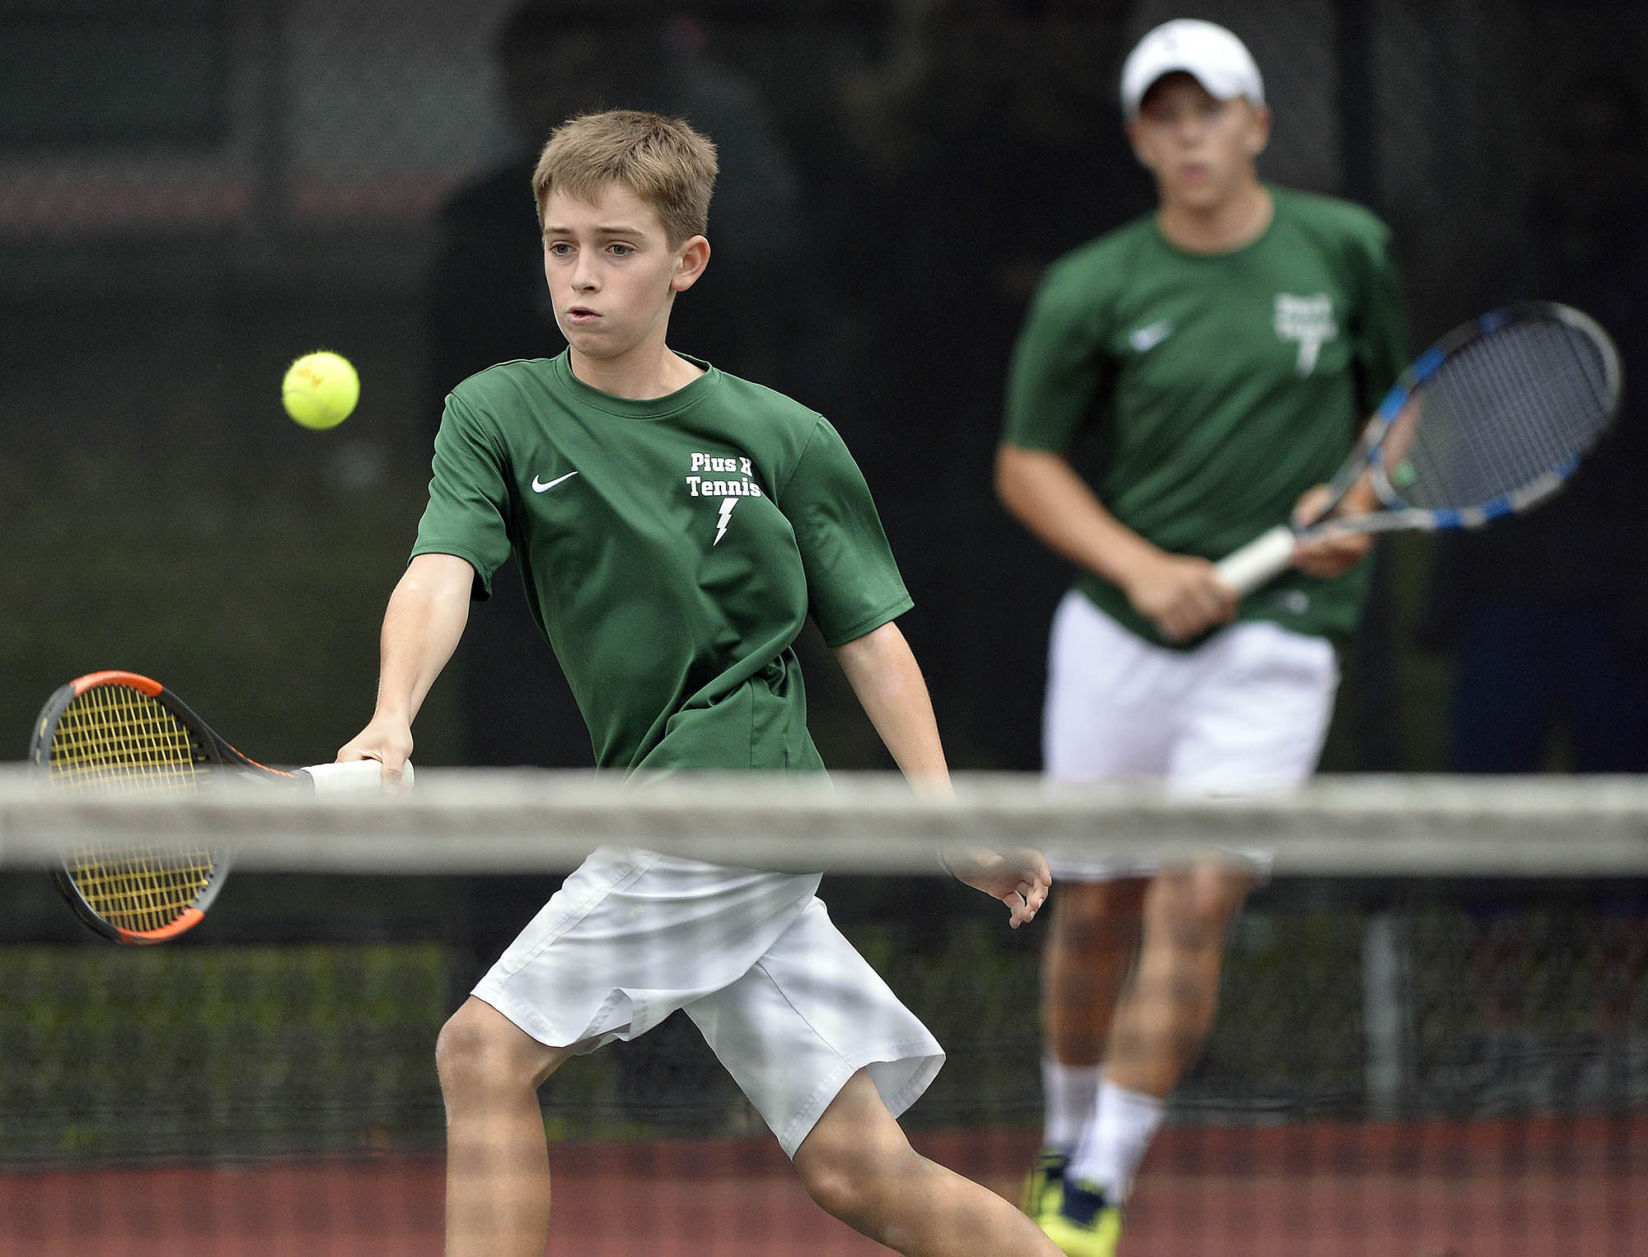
(459, 1047)
(853, 1187)
(478, 1046)
(855, 1171)
(834, 1188)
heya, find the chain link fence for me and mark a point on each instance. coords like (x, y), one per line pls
(193, 193)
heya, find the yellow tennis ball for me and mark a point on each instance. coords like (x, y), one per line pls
(320, 389)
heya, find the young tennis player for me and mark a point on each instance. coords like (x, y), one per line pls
(1225, 347)
(676, 526)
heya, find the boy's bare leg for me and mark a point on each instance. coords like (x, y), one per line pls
(1088, 955)
(1166, 1012)
(497, 1160)
(858, 1165)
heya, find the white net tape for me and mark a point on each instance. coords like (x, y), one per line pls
(522, 819)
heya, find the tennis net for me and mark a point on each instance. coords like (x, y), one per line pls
(1432, 1037)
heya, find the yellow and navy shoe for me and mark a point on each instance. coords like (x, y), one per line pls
(1086, 1224)
(1044, 1186)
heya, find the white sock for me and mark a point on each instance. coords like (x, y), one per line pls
(1069, 1092)
(1124, 1123)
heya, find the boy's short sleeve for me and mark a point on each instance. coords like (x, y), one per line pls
(468, 497)
(853, 584)
(1057, 374)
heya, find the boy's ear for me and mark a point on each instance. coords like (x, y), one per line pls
(1259, 136)
(1135, 138)
(690, 263)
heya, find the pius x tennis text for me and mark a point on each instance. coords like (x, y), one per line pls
(701, 486)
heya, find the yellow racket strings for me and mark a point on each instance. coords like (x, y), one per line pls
(140, 888)
(119, 739)
(113, 739)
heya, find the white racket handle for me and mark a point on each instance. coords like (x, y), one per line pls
(351, 778)
(1267, 555)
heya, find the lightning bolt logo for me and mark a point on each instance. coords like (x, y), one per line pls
(726, 513)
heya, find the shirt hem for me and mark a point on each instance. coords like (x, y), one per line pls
(871, 622)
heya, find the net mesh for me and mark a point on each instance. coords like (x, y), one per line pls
(1506, 413)
(1432, 1035)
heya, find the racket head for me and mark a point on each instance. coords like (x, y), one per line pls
(116, 733)
(142, 895)
(1495, 417)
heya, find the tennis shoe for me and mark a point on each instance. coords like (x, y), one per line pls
(1044, 1185)
(1086, 1224)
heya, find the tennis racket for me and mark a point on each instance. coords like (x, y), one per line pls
(1490, 421)
(115, 733)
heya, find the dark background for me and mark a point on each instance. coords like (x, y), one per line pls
(194, 193)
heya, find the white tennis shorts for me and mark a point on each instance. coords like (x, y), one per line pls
(786, 1003)
(1246, 712)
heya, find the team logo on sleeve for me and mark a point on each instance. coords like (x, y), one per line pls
(724, 479)
(1308, 320)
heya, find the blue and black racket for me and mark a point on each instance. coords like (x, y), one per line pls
(1490, 421)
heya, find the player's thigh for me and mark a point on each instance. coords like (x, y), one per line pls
(1097, 915)
(1197, 899)
(804, 1019)
(1258, 713)
(1110, 703)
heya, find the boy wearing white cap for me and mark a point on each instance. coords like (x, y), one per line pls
(1225, 348)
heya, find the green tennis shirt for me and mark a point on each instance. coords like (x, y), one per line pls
(1218, 387)
(672, 550)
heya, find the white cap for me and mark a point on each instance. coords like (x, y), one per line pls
(1208, 53)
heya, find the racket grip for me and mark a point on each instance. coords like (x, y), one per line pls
(351, 778)
(1267, 555)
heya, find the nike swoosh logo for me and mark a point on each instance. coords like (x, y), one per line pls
(539, 486)
(1148, 337)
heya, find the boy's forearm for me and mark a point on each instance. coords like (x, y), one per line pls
(884, 675)
(421, 628)
(1045, 494)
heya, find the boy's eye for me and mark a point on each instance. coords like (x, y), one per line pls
(560, 249)
(621, 250)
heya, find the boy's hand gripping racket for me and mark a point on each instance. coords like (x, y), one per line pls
(113, 733)
(1490, 421)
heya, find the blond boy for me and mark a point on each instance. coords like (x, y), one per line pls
(676, 526)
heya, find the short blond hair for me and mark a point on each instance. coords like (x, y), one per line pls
(662, 160)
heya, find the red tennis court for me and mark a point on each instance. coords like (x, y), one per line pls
(1538, 1187)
